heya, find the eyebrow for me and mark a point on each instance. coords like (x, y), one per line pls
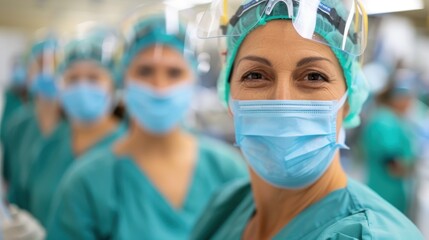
(309, 60)
(256, 59)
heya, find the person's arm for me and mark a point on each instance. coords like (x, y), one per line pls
(394, 148)
(397, 168)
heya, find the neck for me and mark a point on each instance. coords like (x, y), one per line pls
(86, 135)
(277, 207)
(48, 114)
(101, 127)
(142, 142)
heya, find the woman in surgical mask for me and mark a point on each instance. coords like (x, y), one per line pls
(292, 81)
(86, 94)
(156, 181)
(33, 123)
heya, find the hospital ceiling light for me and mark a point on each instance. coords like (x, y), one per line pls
(388, 6)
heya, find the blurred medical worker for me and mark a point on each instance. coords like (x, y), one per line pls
(390, 144)
(86, 95)
(16, 94)
(155, 182)
(292, 80)
(35, 122)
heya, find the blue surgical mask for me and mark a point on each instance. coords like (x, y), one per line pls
(44, 85)
(289, 144)
(84, 102)
(19, 76)
(158, 112)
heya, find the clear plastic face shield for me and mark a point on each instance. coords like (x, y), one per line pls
(18, 71)
(159, 37)
(346, 22)
(44, 60)
(90, 55)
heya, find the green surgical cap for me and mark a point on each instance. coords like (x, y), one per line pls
(97, 47)
(356, 83)
(150, 31)
(39, 47)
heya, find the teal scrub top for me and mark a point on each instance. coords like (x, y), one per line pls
(354, 212)
(12, 104)
(12, 134)
(53, 160)
(25, 138)
(387, 137)
(108, 197)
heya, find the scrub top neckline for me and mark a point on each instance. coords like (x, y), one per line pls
(295, 223)
(152, 188)
(100, 142)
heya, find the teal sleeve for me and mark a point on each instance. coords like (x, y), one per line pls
(383, 140)
(235, 166)
(84, 207)
(369, 225)
(229, 160)
(71, 214)
(354, 227)
(221, 205)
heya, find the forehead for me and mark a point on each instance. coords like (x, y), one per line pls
(160, 54)
(279, 39)
(85, 66)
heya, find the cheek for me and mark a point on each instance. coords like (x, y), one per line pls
(107, 84)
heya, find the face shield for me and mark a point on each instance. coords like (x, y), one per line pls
(98, 44)
(160, 25)
(341, 26)
(42, 67)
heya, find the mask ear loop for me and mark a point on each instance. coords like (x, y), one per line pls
(341, 143)
(341, 102)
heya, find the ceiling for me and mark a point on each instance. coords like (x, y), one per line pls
(29, 15)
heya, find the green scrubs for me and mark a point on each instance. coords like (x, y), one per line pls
(25, 138)
(108, 197)
(354, 212)
(12, 104)
(388, 138)
(53, 160)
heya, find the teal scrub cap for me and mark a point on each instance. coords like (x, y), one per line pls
(47, 44)
(331, 16)
(99, 45)
(149, 31)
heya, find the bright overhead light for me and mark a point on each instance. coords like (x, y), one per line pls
(185, 4)
(387, 6)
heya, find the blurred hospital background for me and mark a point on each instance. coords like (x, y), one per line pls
(396, 65)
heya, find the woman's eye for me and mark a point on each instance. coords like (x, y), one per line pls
(72, 79)
(145, 71)
(253, 76)
(175, 73)
(93, 80)
(315, 77)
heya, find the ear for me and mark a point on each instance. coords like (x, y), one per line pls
(346, 109)
(230, 112)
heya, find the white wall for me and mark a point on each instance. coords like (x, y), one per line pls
(12, 42)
